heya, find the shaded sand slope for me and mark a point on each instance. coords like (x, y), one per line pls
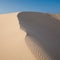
(12, 39)
(43, 34)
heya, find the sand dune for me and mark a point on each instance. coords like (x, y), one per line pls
(29, 36)
(43, 34)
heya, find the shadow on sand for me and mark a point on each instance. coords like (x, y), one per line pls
(43, 34)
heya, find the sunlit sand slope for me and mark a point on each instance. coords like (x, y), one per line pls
(12, 39)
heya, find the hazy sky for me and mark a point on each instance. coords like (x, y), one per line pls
(49, 6)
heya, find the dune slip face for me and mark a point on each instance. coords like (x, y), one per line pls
(43, 34)
(12, 39)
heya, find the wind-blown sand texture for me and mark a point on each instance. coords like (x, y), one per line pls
(30, 36)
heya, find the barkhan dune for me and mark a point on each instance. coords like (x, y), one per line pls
(29, 36)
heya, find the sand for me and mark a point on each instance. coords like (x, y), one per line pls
(43, 34)
(12, 42)
(29, 36)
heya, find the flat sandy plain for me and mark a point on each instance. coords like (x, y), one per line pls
(29, 36)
